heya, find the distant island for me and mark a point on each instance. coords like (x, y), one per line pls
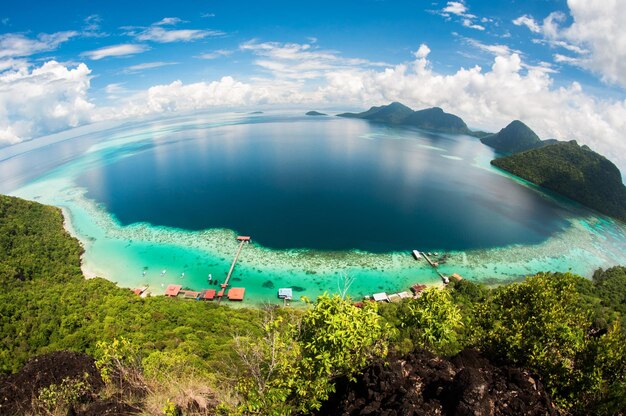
(574, 171)
(256, 112)
(516, 137)
(315, 113)
(434, 118)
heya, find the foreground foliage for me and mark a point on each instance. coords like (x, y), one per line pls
(167, 355)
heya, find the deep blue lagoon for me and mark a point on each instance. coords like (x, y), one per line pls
(325, 184)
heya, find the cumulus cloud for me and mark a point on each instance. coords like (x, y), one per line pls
(19, 45)
(178, 96)
(491, 99)
(596, 37)
(599, 26)
(115, 50)
(43, 100)
(487, 98)
(455, 7)
(53, 96)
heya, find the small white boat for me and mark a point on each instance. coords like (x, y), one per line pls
(417, 255)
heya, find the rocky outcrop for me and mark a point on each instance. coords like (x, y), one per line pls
(421, 383)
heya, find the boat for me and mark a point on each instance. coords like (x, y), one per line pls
(417, 255)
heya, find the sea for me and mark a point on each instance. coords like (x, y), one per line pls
(331, 205)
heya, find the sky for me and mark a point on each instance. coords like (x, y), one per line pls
(559, 66)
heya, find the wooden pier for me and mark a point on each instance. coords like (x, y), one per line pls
(242, 240)
(434, 265)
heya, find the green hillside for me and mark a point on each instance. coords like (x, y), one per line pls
(574, 171)
(516, 137)
(185, 357)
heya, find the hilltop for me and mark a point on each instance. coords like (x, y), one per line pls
(429, 119)
(574, 171)
(516, 137)
(315, 113)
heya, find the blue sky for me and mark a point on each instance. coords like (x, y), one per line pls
(545, 62)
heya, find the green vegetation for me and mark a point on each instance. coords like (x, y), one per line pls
(429, 119)
(574, 171)
(170, 356)
(514, 138)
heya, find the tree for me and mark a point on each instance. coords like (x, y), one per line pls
(292, 367)
(539, 324)
(432, 321)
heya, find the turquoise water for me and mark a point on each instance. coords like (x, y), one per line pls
(73, 171)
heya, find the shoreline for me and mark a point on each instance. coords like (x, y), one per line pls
(141, 254)
(85, 220)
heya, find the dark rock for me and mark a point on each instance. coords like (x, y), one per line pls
(421, 383)
(18, 390)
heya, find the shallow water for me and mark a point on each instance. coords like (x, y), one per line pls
(166, 195)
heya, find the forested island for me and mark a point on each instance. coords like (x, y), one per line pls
(434, 119)
(516, 137)
(550, 343)
(574, 171)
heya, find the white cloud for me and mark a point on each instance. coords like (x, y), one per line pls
(147, 65)
(92, 27)
(160, 35)
(115, 88)
(494, 49)
(43, 100)
(157, 33)
(14, 64)
(597, 36)
(53, 96)
(460, 9)
(491, 99)
(215, 54)
(488, 99)
(176, 96)
(471, 25)
(168, 21)
(422, 52)
(529, 22)
(115, 50)
(455, 7)
(599, 27)
(567, 59)
(299, 61)
(19, 45)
